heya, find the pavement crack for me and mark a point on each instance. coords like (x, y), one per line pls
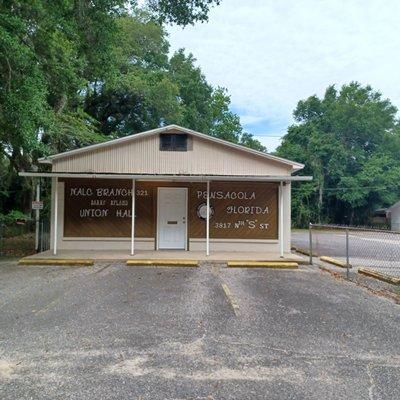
(103, 268)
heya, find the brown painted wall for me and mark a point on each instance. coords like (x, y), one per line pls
(101, 208)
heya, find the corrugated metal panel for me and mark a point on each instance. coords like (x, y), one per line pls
(144, 157)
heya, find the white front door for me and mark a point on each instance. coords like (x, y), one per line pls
(171, 218)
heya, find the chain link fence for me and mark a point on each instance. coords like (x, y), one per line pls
(357, 247)
(18, 239)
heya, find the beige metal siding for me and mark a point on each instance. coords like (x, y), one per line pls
(144, 157)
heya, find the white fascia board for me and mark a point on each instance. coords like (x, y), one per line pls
(180, 178)
(295, 165)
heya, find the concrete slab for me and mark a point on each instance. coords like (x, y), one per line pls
(107, 255)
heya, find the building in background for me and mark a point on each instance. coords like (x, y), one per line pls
(393, 213)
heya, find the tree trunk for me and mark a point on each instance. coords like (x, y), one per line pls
(320, 199)
(351, 222)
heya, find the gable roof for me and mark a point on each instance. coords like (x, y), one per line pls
(394, 206)
(169, 128)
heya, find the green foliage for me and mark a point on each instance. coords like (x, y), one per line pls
(80, 72)
(140, 94)
(194, 94)
(53, 54)
(226, 125)
(13, 216)
(49, 52)
(350, 142)
(182, 12)
(150, 90)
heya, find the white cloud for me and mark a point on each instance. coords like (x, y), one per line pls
(271, 143)
(247, 119)
(270, 54)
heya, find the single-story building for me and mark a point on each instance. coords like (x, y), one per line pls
(393, 214)
(379, 218)
(170, 188)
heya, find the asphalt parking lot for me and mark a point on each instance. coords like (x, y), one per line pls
(117, 332)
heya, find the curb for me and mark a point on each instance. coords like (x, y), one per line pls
(162, 263)
(263, 264)
(383, 293)
(303, 251)
(50, 261)
(334, 261)
(378, 275)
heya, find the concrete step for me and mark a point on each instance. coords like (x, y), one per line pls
(55, 261)
(163, 263)
(263, 264)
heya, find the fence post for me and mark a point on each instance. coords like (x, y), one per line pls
(1, 238)
(37, 216)
(310, 244)
(41, 236)
(347, 253)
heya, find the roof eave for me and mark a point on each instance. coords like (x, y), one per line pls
(184, 178)
(45, 160)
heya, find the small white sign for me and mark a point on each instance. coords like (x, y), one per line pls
(37, 205)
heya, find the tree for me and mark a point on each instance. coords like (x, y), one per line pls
(78, 72)
(226, 125)
(52, 54)
(140, 95)
(194, 92)
(349, 141)
(150, 90)
(181, 12)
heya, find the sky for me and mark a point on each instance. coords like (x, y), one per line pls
(270, 54)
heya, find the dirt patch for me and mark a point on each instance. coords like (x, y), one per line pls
(137, 367)
(17, 246)
(7, 370)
